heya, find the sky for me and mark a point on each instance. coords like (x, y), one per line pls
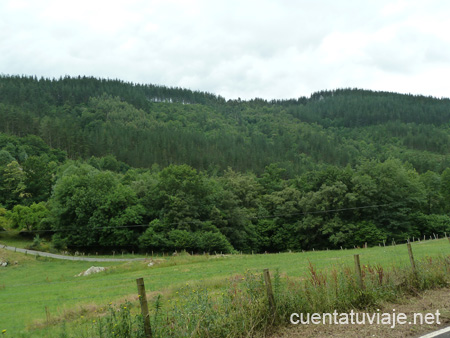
(271, 49)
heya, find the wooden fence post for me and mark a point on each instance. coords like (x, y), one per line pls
(411, 257)
(270, 296)
(47, 315)
(144, 307)
(358, 271)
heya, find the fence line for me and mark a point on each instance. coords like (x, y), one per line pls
(95, 279)
(141, 290)
(86, 283)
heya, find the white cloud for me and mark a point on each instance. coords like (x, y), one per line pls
(246, 48)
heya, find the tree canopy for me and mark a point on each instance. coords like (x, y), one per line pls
(104, 164)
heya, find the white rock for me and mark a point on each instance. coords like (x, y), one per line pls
(91, 270)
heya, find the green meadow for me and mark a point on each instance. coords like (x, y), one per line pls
(38, 294)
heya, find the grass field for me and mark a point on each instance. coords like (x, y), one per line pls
(39, 290)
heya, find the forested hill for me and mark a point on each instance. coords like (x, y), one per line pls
(102, 165)
(143, 125)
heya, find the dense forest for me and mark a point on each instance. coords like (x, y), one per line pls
(99, 164)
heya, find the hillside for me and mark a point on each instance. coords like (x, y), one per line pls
(146, 124)
(100, 164)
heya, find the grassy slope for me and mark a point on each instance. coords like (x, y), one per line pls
(27, 288)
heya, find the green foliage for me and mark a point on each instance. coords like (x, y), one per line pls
(155, 238)
(184, 195)
(119, 323)
(32, 218)
(211, 241)
(12, 189)
(110, 162)
(145, 124)
(367, 232)
(445, 188)
(431, 225)
(187, 210)
(54, 276)
(163, 238)
(4, 221)
(94, 208)
(39, 174)
(340, 168)
(434, 199)
(5, 158)
(399, 189)
(240, 308)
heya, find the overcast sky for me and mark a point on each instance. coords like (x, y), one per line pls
(265, 48)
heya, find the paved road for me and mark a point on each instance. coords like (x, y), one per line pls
(70, 258)
(443, 333)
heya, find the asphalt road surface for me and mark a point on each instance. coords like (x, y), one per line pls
(69, 258)
(443, 333)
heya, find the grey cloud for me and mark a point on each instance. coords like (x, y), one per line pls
(269, 49)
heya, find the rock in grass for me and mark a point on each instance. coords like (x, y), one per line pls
(91, 270)
(155, 262)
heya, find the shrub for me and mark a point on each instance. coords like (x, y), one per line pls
(240, 308)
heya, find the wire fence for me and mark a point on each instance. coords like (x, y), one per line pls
(96, 280)
(92, 283)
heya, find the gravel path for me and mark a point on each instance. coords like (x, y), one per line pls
(69, 258)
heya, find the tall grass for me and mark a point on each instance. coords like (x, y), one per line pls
(240, 309)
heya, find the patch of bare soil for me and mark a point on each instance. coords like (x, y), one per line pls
(429, 302)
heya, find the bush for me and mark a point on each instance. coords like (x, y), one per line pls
(240, 308)
(213, 242)
(157, 238)
(58, 242)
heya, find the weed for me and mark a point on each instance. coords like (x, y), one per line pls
(240, 309)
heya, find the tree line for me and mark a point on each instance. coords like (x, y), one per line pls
(146, 124)
(98, 164)
(104, 204)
